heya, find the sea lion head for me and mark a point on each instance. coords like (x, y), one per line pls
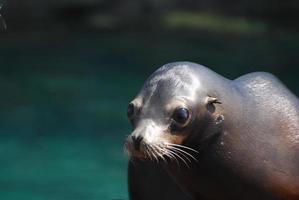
(173, 108)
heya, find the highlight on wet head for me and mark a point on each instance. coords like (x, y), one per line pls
(161, 117)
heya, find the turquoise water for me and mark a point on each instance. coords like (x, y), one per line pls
(64, 98)
(62, 168)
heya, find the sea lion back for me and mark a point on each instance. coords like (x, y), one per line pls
(274, 99)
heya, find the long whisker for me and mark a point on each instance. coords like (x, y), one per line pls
(171, 155)
(160, 152)
(179, 157)
(182, 146)
(175, 156)
(184, 152)
(165, 152)
(153, 152)
(149, 152)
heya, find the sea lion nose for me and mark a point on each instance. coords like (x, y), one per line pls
(136, 141)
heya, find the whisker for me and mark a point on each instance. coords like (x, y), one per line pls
(179, 157)
(160, 153)
(153, 152)
(147, 152)
(172, 156)
(184, 152)
(182, 146)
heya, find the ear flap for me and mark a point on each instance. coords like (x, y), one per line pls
(212, 100)
(210, 103)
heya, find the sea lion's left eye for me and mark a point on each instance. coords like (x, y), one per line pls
(181, 115)
(131, 110)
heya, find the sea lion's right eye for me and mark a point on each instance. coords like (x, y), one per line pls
(181, 115)
(131, 110)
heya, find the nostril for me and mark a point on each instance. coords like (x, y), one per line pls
(136, 141)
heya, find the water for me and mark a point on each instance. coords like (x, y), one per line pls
(64, 98)
(62, 168)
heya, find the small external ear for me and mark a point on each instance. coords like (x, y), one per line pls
(212, 100)
(210, 103)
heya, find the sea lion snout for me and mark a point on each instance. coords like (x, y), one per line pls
(134, 146)
(145, 134)
(136, 141)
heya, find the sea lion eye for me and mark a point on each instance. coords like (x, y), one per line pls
(181, 115)
(131, 110)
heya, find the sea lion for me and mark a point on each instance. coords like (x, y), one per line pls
(198, 135)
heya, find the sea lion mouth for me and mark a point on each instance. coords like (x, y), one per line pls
(163, 152)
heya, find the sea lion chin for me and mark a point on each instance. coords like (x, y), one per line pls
(215, 138)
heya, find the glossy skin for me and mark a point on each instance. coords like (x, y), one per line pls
(246, 132)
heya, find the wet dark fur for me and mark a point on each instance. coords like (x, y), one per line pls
(254, 154)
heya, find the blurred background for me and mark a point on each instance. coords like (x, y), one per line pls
(69, 68)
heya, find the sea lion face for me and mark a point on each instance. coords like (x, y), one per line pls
(170, 108)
